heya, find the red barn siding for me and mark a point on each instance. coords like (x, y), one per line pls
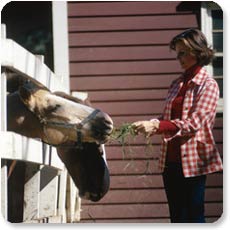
(119, 54)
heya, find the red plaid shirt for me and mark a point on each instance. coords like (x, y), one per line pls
(199, 154)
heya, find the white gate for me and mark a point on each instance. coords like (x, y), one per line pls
(40, 191)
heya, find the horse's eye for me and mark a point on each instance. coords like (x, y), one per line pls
(52, 108)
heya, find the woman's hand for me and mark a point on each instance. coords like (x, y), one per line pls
(148, 128)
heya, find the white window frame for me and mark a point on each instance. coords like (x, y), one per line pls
(206, 27)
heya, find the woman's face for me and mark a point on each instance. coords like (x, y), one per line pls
(184, 55)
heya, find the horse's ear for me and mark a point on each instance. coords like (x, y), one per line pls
(25, 94)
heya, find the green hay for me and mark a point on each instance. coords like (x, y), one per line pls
(126, 134)
(120, 134)
(123, 135)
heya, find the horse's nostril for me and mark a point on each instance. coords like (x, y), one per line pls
(107, 119)
(105, 122)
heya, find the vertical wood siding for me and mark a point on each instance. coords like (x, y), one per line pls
(119, 54)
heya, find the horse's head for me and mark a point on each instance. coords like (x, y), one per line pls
(62, 117)
(87, 168)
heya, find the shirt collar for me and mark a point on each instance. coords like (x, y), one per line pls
(200, 76)
(196, 74)
(191, 72)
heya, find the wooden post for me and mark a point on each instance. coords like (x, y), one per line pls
(3, 127)
(48, 191)
(3, 31)
(4, 189)
(78, 210)
(3, 100)
(31, 192)
(69, 200)
(60, 42)
(62, 195)
(73, 202)
(3, 87)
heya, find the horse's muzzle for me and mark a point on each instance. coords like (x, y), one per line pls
(102, 127)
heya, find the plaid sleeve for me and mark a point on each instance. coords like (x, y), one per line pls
(199, 108)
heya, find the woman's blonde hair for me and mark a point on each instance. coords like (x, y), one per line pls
(196, 41)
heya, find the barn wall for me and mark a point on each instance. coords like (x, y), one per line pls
(119, 54)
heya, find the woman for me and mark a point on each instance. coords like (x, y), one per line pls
(189, 152)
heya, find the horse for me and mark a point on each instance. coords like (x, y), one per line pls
(35, 112)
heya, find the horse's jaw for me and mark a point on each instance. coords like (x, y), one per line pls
(88, 168)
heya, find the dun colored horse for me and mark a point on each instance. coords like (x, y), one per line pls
(71, 125)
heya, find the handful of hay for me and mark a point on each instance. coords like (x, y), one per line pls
(124, 135)
(123, 132)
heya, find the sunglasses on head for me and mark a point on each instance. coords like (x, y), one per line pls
(186, 33)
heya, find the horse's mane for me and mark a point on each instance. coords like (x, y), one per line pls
(15, 81)
(71, 98)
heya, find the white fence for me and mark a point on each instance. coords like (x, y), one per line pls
(47, 194)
